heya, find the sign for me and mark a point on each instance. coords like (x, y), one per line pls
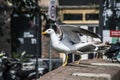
(114, 33)
(111, 36)
(52, 10)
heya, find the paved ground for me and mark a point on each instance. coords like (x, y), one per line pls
(95, 69)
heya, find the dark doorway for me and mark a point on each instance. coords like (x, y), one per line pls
(23, 33)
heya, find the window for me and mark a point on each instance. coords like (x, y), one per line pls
(93, 29)
(72, 16)
(92, 16)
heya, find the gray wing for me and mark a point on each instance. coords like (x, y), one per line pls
(72, 33)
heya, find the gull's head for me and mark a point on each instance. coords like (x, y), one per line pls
(48, 31)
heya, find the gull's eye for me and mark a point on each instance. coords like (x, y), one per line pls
(49, 30)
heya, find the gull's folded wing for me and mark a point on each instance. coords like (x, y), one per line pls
(77, 29)
(73, 33)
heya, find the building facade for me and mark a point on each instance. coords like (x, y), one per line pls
(84, 13)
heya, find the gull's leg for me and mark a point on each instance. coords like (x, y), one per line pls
(79, 53)
(95, 55)
(66, 60)
(78, 62)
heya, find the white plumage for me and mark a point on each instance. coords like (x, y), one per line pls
(69, 40)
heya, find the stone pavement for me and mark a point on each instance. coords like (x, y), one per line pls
(94, 69)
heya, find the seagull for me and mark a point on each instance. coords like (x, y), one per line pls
(69, 40)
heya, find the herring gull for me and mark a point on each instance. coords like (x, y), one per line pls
(69, 39)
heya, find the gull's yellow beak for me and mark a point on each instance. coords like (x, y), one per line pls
(44, 33)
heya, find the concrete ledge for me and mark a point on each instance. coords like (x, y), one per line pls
(87, 70)
(106, 64)
(98, 76)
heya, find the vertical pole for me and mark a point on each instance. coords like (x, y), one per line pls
(101, 20)
(50, 53)
(38, 43)
(38, 23)
(52, 17)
